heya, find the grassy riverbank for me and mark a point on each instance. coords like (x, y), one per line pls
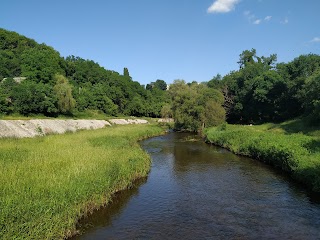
(290, 146)
(48, 183)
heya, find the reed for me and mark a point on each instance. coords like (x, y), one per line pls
(48, 183)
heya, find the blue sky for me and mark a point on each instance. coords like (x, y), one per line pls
(168, 39)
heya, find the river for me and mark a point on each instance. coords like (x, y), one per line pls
(199, 191)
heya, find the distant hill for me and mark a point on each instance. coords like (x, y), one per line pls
(90, 87)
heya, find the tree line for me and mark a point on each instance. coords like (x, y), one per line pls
(264, 91)
(259, 91)
(54, 85)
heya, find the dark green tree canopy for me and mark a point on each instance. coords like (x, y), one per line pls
(86, 86)
(35, 79)
(159, 84)
(262, 91)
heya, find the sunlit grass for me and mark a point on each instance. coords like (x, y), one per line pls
(285, 146)
(300, 125)
(47, 183)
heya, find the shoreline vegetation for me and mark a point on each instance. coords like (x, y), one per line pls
(49, 183)
(290, 146)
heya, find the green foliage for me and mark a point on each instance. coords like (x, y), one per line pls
(63, 91)
(213, 114)
(93, 87)
(222, 127)
(159, 84)
(126, 72)
(166, 111)
(4, 103)
(135, 107)
(296, 154)
(215, 82)
(49, 183)
(81, 71)
(30, 97)
(260, 91)
(311, 97)
(6, 92)
(41, 63)
(195, 106)
(12, 45)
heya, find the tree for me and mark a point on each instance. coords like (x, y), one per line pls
(12, 45)
(136, 107)
(150, 86)
(126, 72)
(214, 114)
(7, 88)
(41, 63)
(215, 82)
(311, 97)
(255, 92)
(196, 106)
(5, 103)
(247, 57)
(161, 84)
(63, 91)
(166, 111)
(101, 101)
(34, 98)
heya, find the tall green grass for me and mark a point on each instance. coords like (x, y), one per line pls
(295, 153)
(48, 183)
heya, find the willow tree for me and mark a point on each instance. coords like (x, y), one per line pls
(63, 91)
(196, 106)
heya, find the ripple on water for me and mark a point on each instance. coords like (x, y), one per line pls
(198, 191)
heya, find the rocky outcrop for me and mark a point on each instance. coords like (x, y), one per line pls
(128, 121)
(166, 120)
(40, 127)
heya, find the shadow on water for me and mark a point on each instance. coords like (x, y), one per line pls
(104, 215)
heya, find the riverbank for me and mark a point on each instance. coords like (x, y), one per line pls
(48, 183)
(39, 127)
(295, 151)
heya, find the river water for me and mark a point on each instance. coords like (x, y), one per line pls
(199, 191)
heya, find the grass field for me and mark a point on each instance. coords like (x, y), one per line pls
(48, 183)
(291, 146)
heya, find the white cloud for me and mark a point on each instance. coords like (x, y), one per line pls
(285, 21)
(222, 6)
(315, 40)
(251, 17)
(267, 18)
(257, 21)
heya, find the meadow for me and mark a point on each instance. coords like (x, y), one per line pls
(49, 183)
(291, 146)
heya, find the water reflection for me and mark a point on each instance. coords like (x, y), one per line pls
(103, 217)
(197, 191)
